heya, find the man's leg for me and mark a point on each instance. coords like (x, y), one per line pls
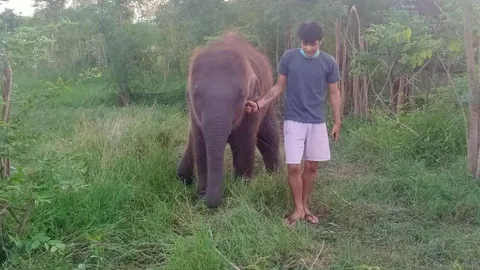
(317, 148)
(294, 143)
(308, 177)
(296, 188)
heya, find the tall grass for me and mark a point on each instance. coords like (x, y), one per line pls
(389, 198)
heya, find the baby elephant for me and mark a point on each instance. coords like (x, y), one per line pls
(222, 76)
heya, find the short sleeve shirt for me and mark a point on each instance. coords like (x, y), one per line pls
(306, 90)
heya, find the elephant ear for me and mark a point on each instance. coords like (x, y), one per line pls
(196, 51)
(253, 91)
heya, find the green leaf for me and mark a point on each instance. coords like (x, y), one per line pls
(59, 81)
(40, 237)
(430, 53)
(454, 46)
(407, 33)
(55, 242)
(50, 84)
(35, 244)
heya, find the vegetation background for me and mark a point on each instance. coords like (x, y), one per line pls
(98, 124)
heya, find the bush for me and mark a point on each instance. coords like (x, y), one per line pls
(434, 134)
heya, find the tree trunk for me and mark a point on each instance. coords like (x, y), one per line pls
(338, 42)
(344, 72)
(124, 97)
(355, 97)
(288, 38)
(277, 45)
(401, 93)
(474, 104)
(165, 74)
(6, 92)
(359, 83)
(394, 87)
(279, 106)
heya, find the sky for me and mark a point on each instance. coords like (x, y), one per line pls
(23, 6)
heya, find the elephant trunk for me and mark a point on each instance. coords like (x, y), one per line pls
(216, 130)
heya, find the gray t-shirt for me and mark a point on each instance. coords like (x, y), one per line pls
(306, 90)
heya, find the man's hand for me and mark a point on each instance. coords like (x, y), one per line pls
(335, 103)
(255, 106)
(336, 132)
(251, 106)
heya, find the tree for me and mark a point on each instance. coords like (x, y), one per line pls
(473, 157)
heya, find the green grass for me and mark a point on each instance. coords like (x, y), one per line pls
(109, 176)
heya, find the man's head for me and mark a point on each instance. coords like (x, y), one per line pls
(310, 35)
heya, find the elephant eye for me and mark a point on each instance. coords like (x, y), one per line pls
(241, 93)
(196, 95)
(195, 92)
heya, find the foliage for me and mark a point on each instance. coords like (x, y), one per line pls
(434, 134)
(23, 191)
(135, 57)
(24, 47)
(395, 47)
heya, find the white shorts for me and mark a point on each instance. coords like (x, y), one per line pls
(305, 142)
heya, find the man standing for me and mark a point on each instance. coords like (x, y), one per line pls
(306, 72)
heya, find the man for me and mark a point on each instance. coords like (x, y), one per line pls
(306, 72)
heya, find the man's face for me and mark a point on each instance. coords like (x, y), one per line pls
(310, 48)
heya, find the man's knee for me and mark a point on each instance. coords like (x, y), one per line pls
(294, 169)
(311, 166)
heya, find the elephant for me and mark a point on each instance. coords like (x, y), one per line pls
(221, 77)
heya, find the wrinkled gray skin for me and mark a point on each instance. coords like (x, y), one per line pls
(220, 81)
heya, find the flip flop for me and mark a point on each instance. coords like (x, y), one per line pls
(309, 218)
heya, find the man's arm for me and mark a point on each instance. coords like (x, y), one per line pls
(333, 79)
(277, 89)
(335, 102)
(274, 92)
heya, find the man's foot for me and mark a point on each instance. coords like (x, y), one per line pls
(310, 218)
(292, 219)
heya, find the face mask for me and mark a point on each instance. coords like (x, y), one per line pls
(313, 56)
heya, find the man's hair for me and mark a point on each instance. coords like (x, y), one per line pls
(310, 32)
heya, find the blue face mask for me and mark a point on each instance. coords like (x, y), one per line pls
(313, 56)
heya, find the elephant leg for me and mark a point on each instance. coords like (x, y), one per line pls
(185, 170)
(268, 141)
(200, 152)
(242, 144)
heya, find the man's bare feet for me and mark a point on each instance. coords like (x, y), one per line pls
(292, 219)
(309, 217)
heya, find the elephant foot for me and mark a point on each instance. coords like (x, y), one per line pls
(186, 179)
(242, 177)
(201, 195)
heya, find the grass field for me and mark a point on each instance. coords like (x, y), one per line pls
(112, 197)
